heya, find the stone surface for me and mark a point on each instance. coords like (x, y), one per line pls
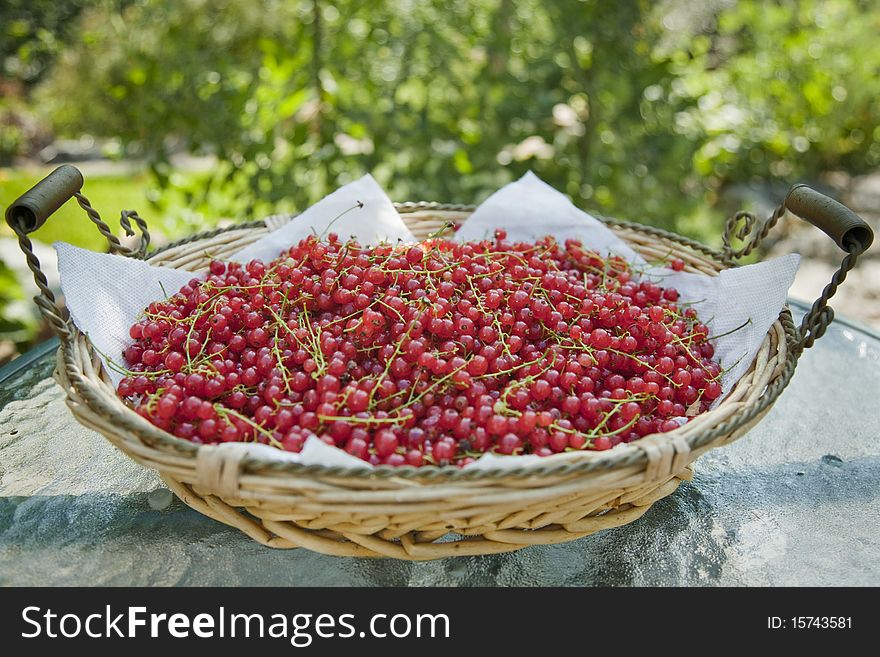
(795, 502)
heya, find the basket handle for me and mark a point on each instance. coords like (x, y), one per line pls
(31, 210)
(849, 231)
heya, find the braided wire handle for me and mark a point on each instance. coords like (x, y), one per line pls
(743, 223)
(816, 321)
(840, 223)
(31, 211)
(125, 219)
(45, 300)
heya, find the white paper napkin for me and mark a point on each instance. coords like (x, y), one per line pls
(530, 209)
(360, 209)
(105, 294)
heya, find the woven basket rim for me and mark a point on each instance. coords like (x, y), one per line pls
(623, 455)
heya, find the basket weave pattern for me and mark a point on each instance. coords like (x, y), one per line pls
(429, 512)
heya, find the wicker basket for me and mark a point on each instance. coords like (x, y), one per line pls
(430, 512)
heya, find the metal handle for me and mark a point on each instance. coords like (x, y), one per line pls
(834, 219)
(31, 210)
(33, 207)
(849, 231)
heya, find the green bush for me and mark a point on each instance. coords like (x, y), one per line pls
(633, 108)
(782, 90)
(12, 135)
(439, 100)
(32, 32)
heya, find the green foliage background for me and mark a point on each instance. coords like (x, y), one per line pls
(635, 108)
(644, 110)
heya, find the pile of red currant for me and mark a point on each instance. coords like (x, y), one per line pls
(433, 353)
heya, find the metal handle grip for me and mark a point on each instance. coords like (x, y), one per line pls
(30, 211)
(849, 231)
(834, 219)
